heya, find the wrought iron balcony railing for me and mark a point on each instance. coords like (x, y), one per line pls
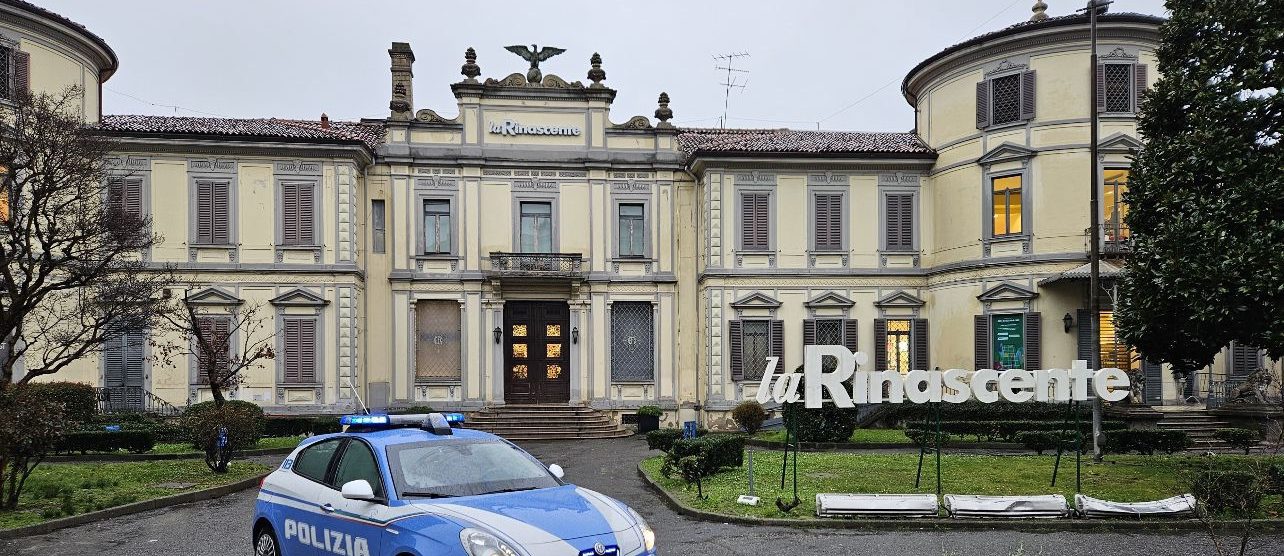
(132, 399)
(538, 265)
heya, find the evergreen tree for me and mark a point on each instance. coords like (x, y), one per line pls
(1206, 194)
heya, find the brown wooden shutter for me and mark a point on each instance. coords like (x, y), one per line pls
(1033, 341)
(1139, 85)
(735, 342)
(1084, 344)
(809, 332)
(983, 104)
(1244, 359)
(290, 213)
(204, 212)
(308, 350)
(851, 335)
(892, 213)
(899, 213)
(1101, 87)
(220, 213)
(21, 72)
(306, 214)
(114, 361)
(829, 221)
(115, 194)
(778, 344)
(919, 336)
(981, 341)
(820, 214)
(1027, 95)
(748, 222)
(290, 331)
(133, 197)
(762, 232)
(880, 344)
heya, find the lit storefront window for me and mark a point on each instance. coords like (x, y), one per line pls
(1116, 208)
(1007, 205)
(1114, 353)
(898, 346)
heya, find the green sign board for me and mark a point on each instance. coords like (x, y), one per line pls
(1007, 341)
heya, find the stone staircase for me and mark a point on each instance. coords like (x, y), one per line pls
(546, 422)
(1199, 425)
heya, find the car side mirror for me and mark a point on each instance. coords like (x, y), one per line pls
(358, 490)
(556, 470)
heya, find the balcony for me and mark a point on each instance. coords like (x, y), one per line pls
(564, 266)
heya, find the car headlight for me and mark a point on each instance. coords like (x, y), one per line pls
(481, 543)
(648, 535)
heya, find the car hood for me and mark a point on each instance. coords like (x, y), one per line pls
(550, 515)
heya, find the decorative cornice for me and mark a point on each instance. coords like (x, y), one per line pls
(756, 300)
(829, 299)
(299, 298)
(1006, 152)
(900, 298)
(1007, 291)
(213, 296)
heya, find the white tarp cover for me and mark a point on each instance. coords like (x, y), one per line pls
(967, 505)
(903, 505)
(1175, 506)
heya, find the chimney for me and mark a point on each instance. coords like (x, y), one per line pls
(325, 121)
(403, 100)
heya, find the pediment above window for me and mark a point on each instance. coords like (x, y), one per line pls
(213, 296)
(1119, 142)
(299, 298)
(1007, 292)
(830, 300)
(899, 299)
(756, 301)
(1007, 152)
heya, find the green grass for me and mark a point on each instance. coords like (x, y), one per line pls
(264, 444)
(58, 490)
(859, 436)
(1119, 478)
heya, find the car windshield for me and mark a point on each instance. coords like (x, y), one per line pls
(446, 468)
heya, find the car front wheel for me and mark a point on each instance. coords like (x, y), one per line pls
(265, 543)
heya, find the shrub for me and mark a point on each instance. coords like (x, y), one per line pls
(715, 451)
(1038, 441)
(326, 425)
(300, 426)
(1146, 441)
(1006, 431)
(1225, 490)
(412, 410)
(1275, 477)
(749, 415)
(973, 410)
(829, 423)
(1240, 439)
(244, 422)
(921, 437)
(30, 426)
(650, 411)
(136, 441)
(79, 401)
(662, 439)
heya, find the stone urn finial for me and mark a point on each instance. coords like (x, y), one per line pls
(1040, 11)
(596, 74)
(470, 69)
(663, 113)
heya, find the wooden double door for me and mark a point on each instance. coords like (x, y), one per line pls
(537, 352)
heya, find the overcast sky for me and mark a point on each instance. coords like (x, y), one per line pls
(836, 63)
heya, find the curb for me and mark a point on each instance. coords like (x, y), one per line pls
(91, 458)
(843, 446)
(136, 507)
(1156, 526)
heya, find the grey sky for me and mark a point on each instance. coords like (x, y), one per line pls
(810, 59)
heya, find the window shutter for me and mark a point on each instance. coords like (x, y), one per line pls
(809, 332)
(734, 343)
(820, 215)
(204, 212)
(1027, 95)
(1101, 87)
(763, 217)
(114, 362)
(880, 344)
(918, 336)
(1153, 387)
(133, 197)
(291, 342)
(1244, 359)
(21, 72)
(1033, 341)
(983, 104)
(289, 213)
(778, 344)
(851, 335)
(892, 213)
(219, 212)
(308, 350)
(222, 341)
(1084, 324)
(747, 221)
(981, 341)
(306, 213)
(133, 358)
(829, 221)
(115, 194)
(1139, 85)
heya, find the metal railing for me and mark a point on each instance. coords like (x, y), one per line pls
(1218, 390)
(132, 399)
(550, 265)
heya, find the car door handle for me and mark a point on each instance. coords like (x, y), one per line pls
(327, 508)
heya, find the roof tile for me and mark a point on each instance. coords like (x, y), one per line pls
(697, 140)
(369, 134)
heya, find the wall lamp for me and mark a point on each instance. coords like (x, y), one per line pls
(575, 335)
(1068, 321)
(499, 334)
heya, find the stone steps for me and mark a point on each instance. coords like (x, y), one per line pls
(546, 422)
(1200, 426)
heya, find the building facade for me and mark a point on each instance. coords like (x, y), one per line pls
(529, 249)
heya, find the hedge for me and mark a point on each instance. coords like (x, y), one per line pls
(79, 401)
(136, 441)
(1236, 491)
(1240, 439)
(300, 426)
(829, 423)
(663, 439)
(973, 410)
(1146, 441)
(1041, 441)
(715, 451)
(1005, 431)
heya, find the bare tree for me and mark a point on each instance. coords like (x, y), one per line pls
(223, 340)
(73, 242)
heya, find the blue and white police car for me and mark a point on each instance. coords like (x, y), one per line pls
(413, 485)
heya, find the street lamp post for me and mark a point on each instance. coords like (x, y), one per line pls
(1094, 8)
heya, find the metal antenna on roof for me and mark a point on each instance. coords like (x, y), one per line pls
(732, 81)
(357, 395)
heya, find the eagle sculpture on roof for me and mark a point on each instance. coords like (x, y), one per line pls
(534, 55)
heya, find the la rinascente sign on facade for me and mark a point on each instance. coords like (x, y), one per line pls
(918, 386)
(510, 127)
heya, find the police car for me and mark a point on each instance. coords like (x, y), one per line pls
(414, 485)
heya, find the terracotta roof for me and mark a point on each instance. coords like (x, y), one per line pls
(29, 7)
(767, 141)
(371, 135)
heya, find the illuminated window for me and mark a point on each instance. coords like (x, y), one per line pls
(553, 350)
(519, 350)
(519, 330)
(1006, 192)
(4, 192)
(554, 371)
(1114, 353)
(553, 330)
(898, 346)
(521, 371)
(1116, 207)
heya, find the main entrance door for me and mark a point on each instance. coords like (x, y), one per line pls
(536, 351)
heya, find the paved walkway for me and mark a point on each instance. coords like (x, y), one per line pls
(220, 527)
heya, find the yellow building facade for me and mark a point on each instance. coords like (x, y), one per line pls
(529, 247)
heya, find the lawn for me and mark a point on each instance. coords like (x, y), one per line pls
(58, 490)
(264, 444)
(859, 436)
(1119, 478)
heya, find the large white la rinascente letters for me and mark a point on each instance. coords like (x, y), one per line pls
(920, 386)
